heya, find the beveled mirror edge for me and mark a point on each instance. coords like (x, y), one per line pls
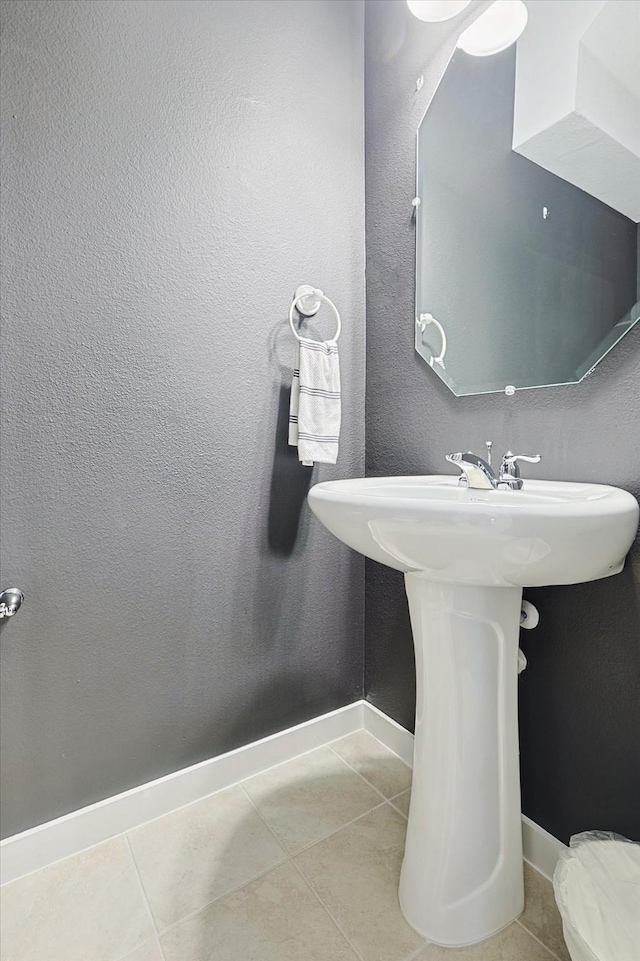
(587, 368)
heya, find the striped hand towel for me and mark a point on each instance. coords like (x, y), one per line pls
(314, 412)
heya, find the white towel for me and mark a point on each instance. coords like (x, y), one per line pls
(314, 412)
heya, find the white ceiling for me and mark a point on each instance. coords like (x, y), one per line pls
(614, 38)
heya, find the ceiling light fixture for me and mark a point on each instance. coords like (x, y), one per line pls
(495, 30)
(434, 11)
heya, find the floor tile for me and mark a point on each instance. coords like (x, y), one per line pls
(512, 944)
(87, 906)
(402, 802)
(541, 915)
(308, 798)
(355, 872)
(276, 918)
(375, 762)
(151, 951)
(200, 852)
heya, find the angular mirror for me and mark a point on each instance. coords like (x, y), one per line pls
(528, 173)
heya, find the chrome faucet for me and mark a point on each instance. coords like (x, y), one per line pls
(477, 474)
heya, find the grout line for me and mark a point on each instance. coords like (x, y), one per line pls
(255, 877)
(327, 911)
(517, 921)
(355, 771)
(326, 837)
(532, 935)
(144, 896)
(411, 957)
(292, 862)
(377, 740)
(264, 820)
(367, 781)
(143, 945)
(232, 890)
(319, 840)
(401, 813)
(238, 887)
(399, 794)
(292, 857)
(67, 857)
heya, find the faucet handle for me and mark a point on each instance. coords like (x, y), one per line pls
(509, 466)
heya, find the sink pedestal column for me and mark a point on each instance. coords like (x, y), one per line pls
(462, 876)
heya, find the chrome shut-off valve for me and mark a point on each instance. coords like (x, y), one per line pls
(10, 602)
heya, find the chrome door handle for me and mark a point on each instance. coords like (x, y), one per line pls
(10, 602)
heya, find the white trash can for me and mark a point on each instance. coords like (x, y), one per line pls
(597, 888)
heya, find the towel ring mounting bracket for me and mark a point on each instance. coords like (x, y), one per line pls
(306, 300)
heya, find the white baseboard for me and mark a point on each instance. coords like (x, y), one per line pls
(540, 848)
(392, 735)
(74, 832)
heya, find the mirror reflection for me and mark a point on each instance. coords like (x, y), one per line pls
(528, 268)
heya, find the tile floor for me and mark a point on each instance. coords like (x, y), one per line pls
(299, 863)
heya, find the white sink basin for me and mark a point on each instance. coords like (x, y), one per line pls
(550, 532)
(466, 555)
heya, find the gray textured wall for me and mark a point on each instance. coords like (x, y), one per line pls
(580, 696)
(172, 170)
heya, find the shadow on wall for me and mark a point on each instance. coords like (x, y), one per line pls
(274, 622)
(270, 595)
(290, 483)
(271, 587)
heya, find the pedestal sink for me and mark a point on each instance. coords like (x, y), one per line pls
(466, 555)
